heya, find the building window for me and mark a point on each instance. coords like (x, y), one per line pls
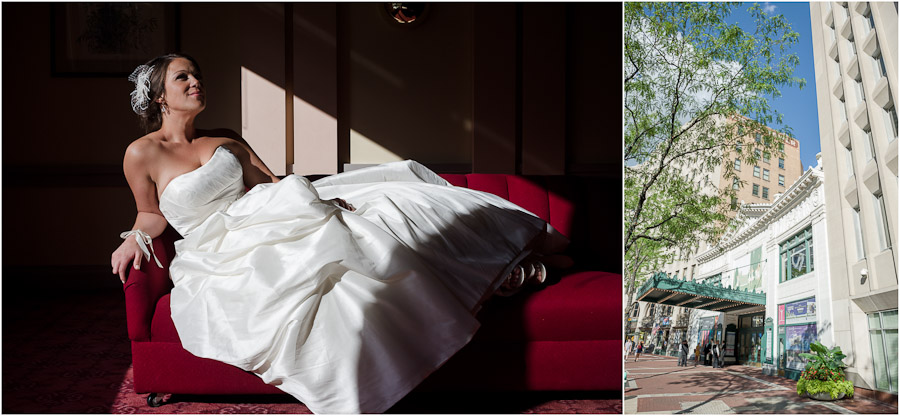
(737, 164)
(715, 279)
(781, 180)
(765, 174)
(852, 44)
(890, 117)
(758, 138)
(870, 145)
(755, 190)
(860, 92)
(766, 156)
(884, 236)
(858, 233)
(781, 147)
(756, 171)
(757, 153)
(883, 339)
(843, 108)
(765, 192)
(737, 147)
(734, 203)
(880, 69)
(797, 255)
(736, 184)
(781, 162)
(868, 23)
(848, 158)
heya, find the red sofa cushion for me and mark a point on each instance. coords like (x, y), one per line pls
(579, 307)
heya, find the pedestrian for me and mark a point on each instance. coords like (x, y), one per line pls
(707, 354)
(628, 347)
(682, 358)
(640, 349)
(697, 355)
(716, 359)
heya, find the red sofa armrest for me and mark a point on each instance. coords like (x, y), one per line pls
(146, 286)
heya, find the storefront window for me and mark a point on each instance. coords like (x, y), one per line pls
(758, 321)
(796, 330)
(883, 339)
(797, 340)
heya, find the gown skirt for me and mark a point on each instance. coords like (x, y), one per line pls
(346, 311)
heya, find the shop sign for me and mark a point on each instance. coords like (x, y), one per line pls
(799, 312)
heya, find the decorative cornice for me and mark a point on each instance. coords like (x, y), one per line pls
(775, 210)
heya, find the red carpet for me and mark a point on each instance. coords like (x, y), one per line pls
(69, 353)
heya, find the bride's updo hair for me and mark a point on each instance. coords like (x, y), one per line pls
(150, 84)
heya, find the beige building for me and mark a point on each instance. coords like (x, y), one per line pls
(759, 183)
(771, 175)
(855, 51)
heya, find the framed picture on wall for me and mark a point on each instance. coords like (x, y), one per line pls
(110, 39)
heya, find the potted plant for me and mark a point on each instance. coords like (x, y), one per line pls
(823, 378)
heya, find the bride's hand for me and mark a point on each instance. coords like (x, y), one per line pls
(343, 204)
(128, 253)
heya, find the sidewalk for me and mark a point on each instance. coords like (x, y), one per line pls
(656, 384)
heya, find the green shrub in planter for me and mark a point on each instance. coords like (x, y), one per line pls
(824, 372)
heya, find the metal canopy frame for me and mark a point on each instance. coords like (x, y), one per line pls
(666, 290)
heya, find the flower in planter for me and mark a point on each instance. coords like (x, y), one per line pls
(824, 372)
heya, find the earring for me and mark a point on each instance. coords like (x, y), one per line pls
(164, 108)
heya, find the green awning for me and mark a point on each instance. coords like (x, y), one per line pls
(712, 297)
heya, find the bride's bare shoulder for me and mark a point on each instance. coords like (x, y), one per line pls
(143, 148)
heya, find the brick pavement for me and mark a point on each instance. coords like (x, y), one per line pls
(656, 384)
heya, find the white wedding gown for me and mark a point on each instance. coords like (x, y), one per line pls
(346, 311)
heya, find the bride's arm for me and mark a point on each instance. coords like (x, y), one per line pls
(255, 171)
(149, 218)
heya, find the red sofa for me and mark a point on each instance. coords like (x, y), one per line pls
(565, 335)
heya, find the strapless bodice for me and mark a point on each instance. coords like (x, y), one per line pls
(191, 198)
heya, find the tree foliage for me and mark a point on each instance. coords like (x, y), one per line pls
(697, 92)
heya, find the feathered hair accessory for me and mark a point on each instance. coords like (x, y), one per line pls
(140, 97)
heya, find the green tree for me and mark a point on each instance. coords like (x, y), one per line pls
(697, 92)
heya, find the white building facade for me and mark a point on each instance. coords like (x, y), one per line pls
(779, 250)
(855, 57)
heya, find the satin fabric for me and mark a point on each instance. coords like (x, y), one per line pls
(346, 311)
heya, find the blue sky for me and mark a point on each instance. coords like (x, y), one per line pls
(798, 106)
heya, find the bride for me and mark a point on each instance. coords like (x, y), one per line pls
(346, 292)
